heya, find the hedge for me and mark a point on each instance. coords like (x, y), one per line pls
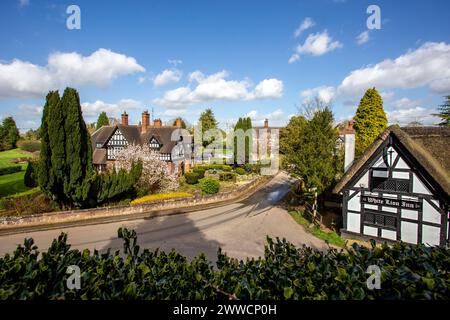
(284, 272)
(199, 171)
(30, 145)
(9, 170)
(223, 167)
(161, 196)
(240, 171)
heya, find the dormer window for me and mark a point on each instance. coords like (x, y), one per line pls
(154, 144)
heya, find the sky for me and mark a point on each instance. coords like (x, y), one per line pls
(262, 59)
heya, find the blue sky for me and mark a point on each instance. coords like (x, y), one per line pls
(238, 57)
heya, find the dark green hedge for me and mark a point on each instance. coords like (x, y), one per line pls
(285, 272)
(9, 170)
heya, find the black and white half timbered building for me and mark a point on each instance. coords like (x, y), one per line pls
(108, 141)
(399, 189)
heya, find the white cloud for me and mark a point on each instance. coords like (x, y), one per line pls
(429, 65)
(31, 111)
(406, 116)
(141, 80)
(174, 62)
(268, 88)
(24, 3)
(363, 37)
(294, 58)
(326, 94)
(20, 79)
(318, 44)
(217, 87)
(167, 76)
(306, 24)
(93, 109)
(405, 103)
(256, 117)
(172, 112)
(387, 95)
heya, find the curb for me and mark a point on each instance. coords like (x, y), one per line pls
(135, 216)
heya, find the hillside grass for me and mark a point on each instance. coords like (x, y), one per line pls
(12, 183)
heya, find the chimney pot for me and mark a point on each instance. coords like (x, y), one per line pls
(145, 121)
(178, 123)
(157, 123)
(124, 119)
(266, 123)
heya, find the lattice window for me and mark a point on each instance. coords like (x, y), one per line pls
(154, 144)
(380, 220)
(389, 184)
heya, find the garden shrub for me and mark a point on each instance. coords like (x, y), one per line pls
(284, 272)
(199, 171)
(161, 196)
(30, 145)
(227, 176)
(209, 186)
(30, 178)
(191, 177)
(9, 170)
(218, 166)
(28, 204)
(240, 171)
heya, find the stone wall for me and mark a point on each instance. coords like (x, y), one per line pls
(117, 213)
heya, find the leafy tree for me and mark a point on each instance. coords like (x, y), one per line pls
(102, 120)
(370, 120)
(30, 177)
(291, 134)
(9, 134)
(312, 154)
(207, 121)
(444, 112)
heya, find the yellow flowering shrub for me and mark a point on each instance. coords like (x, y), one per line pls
(161, 196)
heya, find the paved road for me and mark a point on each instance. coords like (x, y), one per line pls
(239, 228)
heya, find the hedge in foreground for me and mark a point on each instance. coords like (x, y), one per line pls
(285, 272)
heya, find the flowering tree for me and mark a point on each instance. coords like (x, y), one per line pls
(155, 175)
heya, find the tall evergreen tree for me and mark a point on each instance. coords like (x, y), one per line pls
(244, 124)
(78, 149)
(370, 120)
(444, 112)
(102, 120)
(46, 173)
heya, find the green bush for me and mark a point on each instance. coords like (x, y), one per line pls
(30, 177)
(240, 171)
(200, 172)
(209, 186)
(227, 176)
(30, 145)
(9, 170)
(284, 272)
(191, 177)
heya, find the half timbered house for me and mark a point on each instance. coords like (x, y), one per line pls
(399, 189)
(167, 141)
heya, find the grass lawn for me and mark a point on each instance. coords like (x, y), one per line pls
(12, 183)
(331, 237)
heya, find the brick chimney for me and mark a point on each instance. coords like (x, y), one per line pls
(157, 123)
(178, 123)
(124, 118)
(266, 123)
(145, 121)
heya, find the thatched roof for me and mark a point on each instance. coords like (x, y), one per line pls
(428, 145)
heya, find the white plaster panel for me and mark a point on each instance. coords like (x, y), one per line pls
(430, 214)
(355, 203)
(419, 187)
(389, 209)
(389, 234)
(354, 222)
(363, 182)
(370, 206)
(400, 175)
(409, 232)
(409, 214)
(430, 235)
(370, 231)
(401, 164)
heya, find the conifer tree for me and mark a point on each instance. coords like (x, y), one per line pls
(370, 120)
(444, 112)
(102, 120)
(9, 134)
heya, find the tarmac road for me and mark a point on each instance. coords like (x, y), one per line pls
(239, 228)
